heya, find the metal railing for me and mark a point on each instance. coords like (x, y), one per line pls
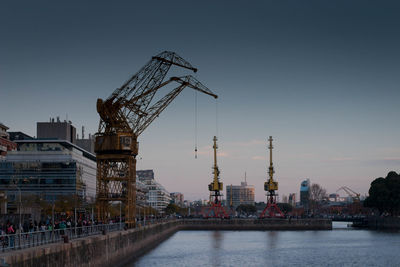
(38, 238)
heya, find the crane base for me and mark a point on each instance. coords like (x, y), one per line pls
(216, 210)
(271, 211)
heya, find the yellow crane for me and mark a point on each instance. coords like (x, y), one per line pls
(215, 210)
(271, 210)
(216, 186)
(124, 115)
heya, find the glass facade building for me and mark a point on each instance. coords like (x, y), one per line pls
(242, 194)
(157, 196)
(48, 169)
(305, 193)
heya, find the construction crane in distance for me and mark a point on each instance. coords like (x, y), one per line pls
(215, 210)
(124, 115)
(354, 195)
(271, 210)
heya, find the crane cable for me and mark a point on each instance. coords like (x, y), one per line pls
(195, 124)
(216, 117)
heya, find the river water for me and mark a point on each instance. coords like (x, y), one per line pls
(342, 246)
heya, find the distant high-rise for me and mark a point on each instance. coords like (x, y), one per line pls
(242, 194)
(177, 198)
(292, 199)
(56, 130)
(305, 193)
(157, 196)
(145, 174)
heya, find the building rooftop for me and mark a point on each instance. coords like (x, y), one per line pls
(3, 127)
(19, 136)
(64, 143)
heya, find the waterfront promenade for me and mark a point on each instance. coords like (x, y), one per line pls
(119, 247)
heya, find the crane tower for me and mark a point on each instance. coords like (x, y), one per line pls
(271, 210)
(215, 210)
(124, 115)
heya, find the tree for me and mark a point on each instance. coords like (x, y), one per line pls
(317, 195)
(384, 194)
(67, 203)
(172, 209)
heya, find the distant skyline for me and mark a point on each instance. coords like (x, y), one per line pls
(321, 77)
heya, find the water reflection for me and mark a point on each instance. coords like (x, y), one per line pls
(270, 257)
(217, 238)
(272, 237)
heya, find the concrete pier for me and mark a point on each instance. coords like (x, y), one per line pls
(258, 225)
(378, 223)
(119, 248)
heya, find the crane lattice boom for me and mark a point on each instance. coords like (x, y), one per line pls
(350, 192)
(123, 117)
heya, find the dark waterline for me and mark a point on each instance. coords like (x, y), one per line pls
(342, 246)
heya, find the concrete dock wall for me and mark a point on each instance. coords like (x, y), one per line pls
(258, 225)
(119, 248)
(384, 223)
(113, 249)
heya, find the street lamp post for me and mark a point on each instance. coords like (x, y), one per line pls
(144, 215)
(52, 220)
(120, 216)
(76, 234)
(19, 210)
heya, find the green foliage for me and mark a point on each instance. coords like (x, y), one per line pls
(172, 209)
(145, 211)
(247, 209)
(67, 203)
(384, 194)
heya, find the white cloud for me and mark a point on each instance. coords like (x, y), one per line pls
(342, 159)
(253, 142)
(258, 158)
(223, 154)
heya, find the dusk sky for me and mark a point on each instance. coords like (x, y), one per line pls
(321, 77)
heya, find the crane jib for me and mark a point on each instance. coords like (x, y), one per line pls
(123, 117)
